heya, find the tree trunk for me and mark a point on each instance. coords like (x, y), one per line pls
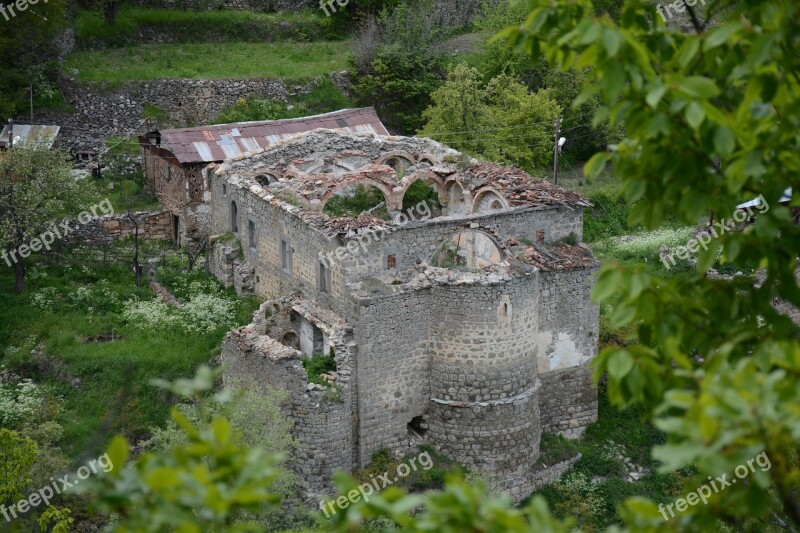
(19, 275)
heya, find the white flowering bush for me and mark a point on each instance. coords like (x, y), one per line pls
(202, 314)
(45, 298)
(645, 246)
(20, 400)
(150, 314)
(207, 312)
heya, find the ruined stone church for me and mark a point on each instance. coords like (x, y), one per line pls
(462, 321)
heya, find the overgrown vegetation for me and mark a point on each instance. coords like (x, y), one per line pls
(319, 364)
(323, 98)
(293, 61)
(354, 200)
(66, 306)
(133, 24)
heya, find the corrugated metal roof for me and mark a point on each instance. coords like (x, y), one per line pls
(45, 135)
(223, 141)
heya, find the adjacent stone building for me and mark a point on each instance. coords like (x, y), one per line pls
(462, 320)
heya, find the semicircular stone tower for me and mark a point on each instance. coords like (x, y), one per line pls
(484, 408)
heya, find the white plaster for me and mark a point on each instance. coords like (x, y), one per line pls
(563, 353)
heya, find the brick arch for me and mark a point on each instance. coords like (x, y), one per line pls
(428, 158)
(478, 247)
(396, 153)
(265, 179)
(359, 180)
(428, 176)
(487, 199)
(293, 173)
(453, 196)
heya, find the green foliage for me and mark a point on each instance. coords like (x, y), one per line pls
(711, 119)
(92, 31)
(17, 456)
(67, 306)
(555, 449)
(398, 84)
(153, 112)
(500, 121)
(355, 200)
(292, 61)
(205, 485)
(56, 520)
(319, 364)
(29, 50)
(36, 187)
(397, 64)
(420, 191)
(323, 98)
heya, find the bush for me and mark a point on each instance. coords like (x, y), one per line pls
(319, 364)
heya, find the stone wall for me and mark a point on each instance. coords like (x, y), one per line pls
(567, 341)
(103, 230)
(101, 111)
(323, 424)
(420, 240)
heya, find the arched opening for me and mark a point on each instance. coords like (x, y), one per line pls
(399, 163)
(488, 201)
(468, 249)
(422, 192)
(234, 218)
(355, 199)
(455, 200)
(265, 180)
(291, 340)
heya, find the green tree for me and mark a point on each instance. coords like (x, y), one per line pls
(711, 121)
(36, 187)
(17, 456)
(501, 121)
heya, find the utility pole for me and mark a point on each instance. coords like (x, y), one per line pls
(30, 88)
(556, 150)
(10, 133)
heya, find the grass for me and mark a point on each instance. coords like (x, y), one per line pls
(598, 482)
(294, 61)
(114, 394)
(323, 98)
(91, 30)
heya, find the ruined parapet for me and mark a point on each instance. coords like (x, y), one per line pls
(323, 422)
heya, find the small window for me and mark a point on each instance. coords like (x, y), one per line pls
(324, 278)
(224, 190)
(251, 234)
(234, 218)
(391, 261)
(286, 256)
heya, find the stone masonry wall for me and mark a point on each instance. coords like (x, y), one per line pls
(100, 111)
(108, 228)
(323, 426)
(420, 240)
(273, 223)
(567, 341)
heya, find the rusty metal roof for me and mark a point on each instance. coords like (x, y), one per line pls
(218, 142)
(24, 134)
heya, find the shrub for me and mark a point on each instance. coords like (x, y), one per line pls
(318, 364)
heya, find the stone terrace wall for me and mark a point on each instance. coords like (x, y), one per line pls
(104, 230)
(567, 341)
(101, 112)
